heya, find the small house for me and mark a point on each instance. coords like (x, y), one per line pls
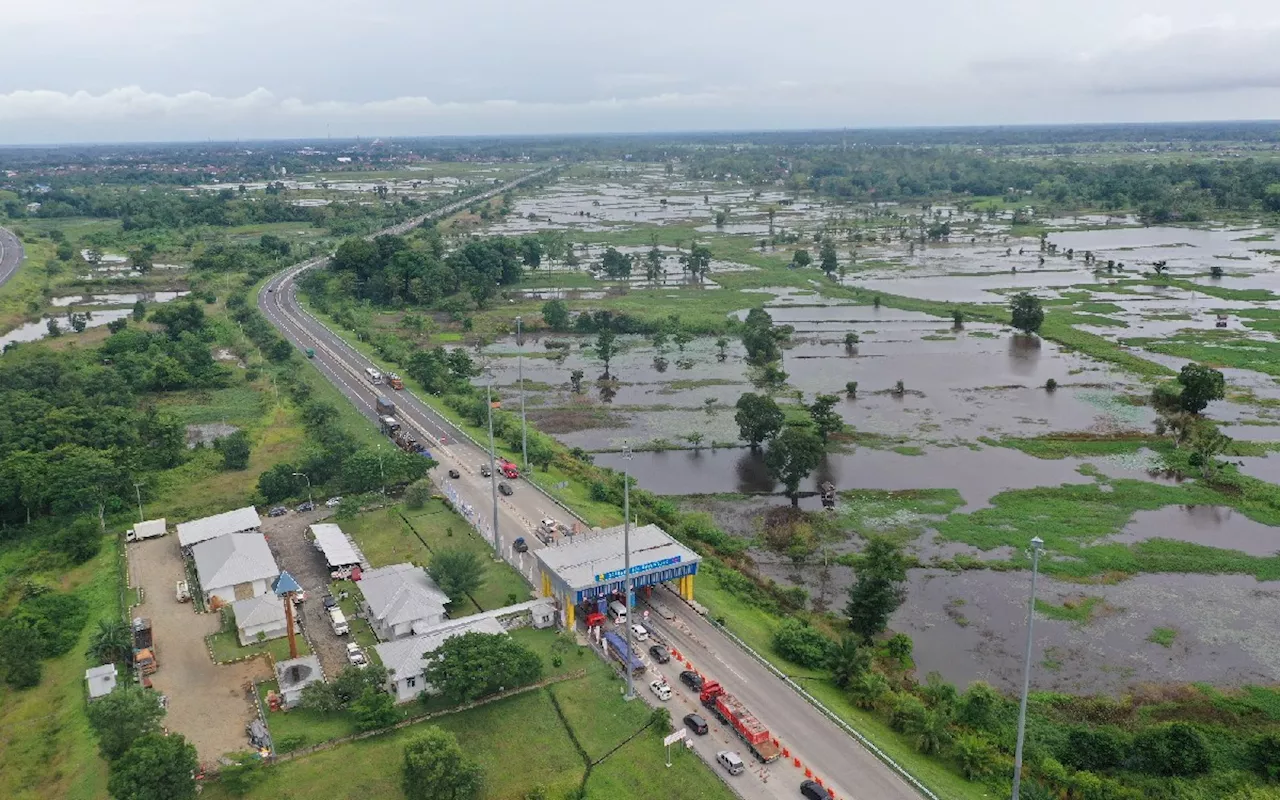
(260, 618)
(101, 680)
(296, 674)
(234, 567)
(405, 659)
(401, 601)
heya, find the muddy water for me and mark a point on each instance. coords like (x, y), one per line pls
(35, 331)
(1212, 526)
(114, 299)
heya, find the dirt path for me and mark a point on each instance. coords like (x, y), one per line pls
(208, 703)
(287, 537)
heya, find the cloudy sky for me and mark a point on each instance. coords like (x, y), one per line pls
(145, 70)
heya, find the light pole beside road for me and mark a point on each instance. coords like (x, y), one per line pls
(626, 559)
(493, 472)
(137, 487)
(1037, 544)
(524, 433)
(304, 475)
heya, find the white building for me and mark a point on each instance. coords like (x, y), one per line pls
(263, 615)
(401, 600)
(101, 680)
(242, 520)
(234, 567)
(405, 659)
(296, 674)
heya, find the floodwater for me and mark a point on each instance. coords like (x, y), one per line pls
(35, 331)
(114, 299)
(1211, 526)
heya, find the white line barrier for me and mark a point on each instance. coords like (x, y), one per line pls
(828, 713)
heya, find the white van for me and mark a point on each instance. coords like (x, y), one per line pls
(373, 375)
(731, 762)
(618, 613)
(338, 621)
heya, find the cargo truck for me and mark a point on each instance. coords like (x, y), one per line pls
(383, 406)
(618, 651)
(145, 530)
(750, 730)
(144, 647)
(394, 381)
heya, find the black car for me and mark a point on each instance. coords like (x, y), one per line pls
(659, 654)
(453, 473)
(505, 489)
(485, 471)
(307, 506)
(812, 790)
(278, 511)
(521, 545)
(696, 724)
(328, 601)
(691, 679)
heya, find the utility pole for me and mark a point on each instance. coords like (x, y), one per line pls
(1037, 544)
(493, 471)
(382, 472)
(626, 558)
(304, 475)
(524, 431)
(137, 487)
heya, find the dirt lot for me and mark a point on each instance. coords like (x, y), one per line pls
(287, 538)
(209, 704)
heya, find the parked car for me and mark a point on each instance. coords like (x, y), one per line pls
(182, 592)
(278, 511)
(453, 473)
(661, 689)
(328, 601)
(485, 472)
(307, 506)
(696, 724)
(639, 631)
(731, 761)
(356, 656)
(332, 502)
(299, 598)
(812, 790)
(691, 679)
(505, 489)
(520, 545)
(659, 654)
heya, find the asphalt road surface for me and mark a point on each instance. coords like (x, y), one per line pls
(10, 255)
(843, 764)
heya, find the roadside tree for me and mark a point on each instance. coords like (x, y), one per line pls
(122, 717)
(111, 642)
(476, 665)
(457, 572)
(878, 589)
(435, 768)
(155, 767)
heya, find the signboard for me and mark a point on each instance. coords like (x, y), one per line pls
(675, 737)
(652, 565)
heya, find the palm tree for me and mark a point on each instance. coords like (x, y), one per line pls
(870, 690)
(111, 642)
(849, 661)
(932, 731)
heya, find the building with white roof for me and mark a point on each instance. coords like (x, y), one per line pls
(405, 659)
(242, 520)
(401, 600)
(234, 567)
(591, 568)
(262, 615)
(101, 680)
(338, 549)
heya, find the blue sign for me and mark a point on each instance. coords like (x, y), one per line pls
(619, 573)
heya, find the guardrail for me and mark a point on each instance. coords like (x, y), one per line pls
(828, 713)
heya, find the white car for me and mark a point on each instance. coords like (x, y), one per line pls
(356, 656)
(333, 501)
(639, 632)
(661, 689)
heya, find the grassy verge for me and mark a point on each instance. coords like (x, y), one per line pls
(226, 647)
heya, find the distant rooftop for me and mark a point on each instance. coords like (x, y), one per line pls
(200, 530)
(336, 545)
(597, 557)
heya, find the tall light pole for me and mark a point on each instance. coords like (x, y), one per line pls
(524, 432)
(626, 558)
(304, 475)
(137, 487)
(493, 471)
(382, 472)
(1037, 544)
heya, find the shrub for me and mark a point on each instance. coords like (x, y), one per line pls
(908, 712)
(1264, 755)
(418, 493)
(1175, 749)
(976, 756)
(799, 643)
(1094, 750)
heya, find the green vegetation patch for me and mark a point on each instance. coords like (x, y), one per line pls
(1217, 348)
(1075, 609)
(1163, 636)
(899, 515)
(1064, 445)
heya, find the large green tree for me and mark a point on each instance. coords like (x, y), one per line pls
(122, 717)
(155, 767)
(1201, 385)
(606, 348)
(457, 572)
(758, 418)
(878, 588)
(1028, 313)
(825, 418)
(436, 768)
(111, 642)
(828, 260)
(791, 456)
(475, 665)
(556, 314)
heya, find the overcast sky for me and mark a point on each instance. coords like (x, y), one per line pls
(130, 70)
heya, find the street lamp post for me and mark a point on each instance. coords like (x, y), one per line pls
(137, 487)
(304, 475)
(626, 558)
(524, 432)
(493, 471)
(1037, 544)
(382, 473)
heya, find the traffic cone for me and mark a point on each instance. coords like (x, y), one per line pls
(818, 781)
(808, 773)
(786, 753)
(796, 761)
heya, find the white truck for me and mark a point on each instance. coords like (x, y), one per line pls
(145, 530)
(339, 622)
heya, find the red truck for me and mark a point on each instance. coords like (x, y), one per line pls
(749, 729)
(508, 469)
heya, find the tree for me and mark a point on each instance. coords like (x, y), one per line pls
(156, 767)
(878, 589)
(122, 717)
(899, 648)
(140, 260)
(1200, 386)
(931, 731)
(1028, 314)
(139, 311)
(758, 418)
(556, 314)
(801, 258)
(111, 642)
(530, 251)
(697, 260)
(374, 709)
(800, 643)
(476, 665)
(541, 452)
(869, 690)
(977, 757)
(653, 264)
(234, 450)
(1264, 755)
(615, 264)
(722, 348)
(606, 347)
(418, 493)
(457, 572)
(1174, 749)
(791, 456)
(825, 418)
(435, 768)
(575, 380)
(827, 258)
(848, 662)
(980, 706)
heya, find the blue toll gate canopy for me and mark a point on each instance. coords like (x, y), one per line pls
(593, 564)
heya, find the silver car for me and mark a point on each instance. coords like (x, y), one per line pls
(731, 761)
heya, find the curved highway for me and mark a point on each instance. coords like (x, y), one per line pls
(845, 766)
(10, 255)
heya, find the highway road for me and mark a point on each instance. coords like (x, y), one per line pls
(845, 766)
(10, 255)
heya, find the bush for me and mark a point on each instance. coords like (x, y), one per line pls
(1094, 750)
(976, 756)
(799, 643)
(1264, 755)
(1175, 749)
(418, 493)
